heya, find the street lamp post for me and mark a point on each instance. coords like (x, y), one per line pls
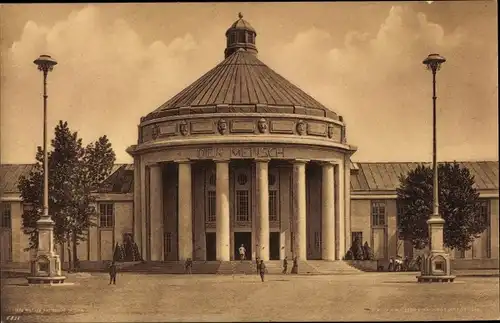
(46, 267)
(436, 266)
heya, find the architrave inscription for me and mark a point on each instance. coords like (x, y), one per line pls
(240, 152)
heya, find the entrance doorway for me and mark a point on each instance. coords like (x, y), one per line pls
(274, 246)
(245, 239)
(211, 247)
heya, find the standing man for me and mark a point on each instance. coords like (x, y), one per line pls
(262, 268)
(188, 266)
(112, 273)
(242, 251)
(257, 264)
(285, 265)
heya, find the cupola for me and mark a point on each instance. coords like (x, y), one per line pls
(240, 35)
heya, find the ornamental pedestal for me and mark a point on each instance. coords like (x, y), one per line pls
(436, 265)
(46, 267)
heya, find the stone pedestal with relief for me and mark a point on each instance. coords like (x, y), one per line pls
(46, 267)
(436, 265)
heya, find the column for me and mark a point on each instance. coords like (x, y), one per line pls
(222, 209)
(340, 207)
(141, 240)
(185, 232)
(299, 206)
(347, 202)
(263, 208)
(328, 213)
(156, 211)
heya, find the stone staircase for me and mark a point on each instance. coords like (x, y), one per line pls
(237, 268)
(338, 267)
(172, 267)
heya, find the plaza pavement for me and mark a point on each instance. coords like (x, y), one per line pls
(139, 297)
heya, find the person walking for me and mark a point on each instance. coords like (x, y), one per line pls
(188, 266)
(295, 267)
(262, 268)
(285, 265)
(257, 264)
(112, 273)
(242, 251)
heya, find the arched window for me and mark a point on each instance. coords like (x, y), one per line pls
(232, 38)
(242, 207)
(274, 201)
(210, 206)
(251, 38)
(241, 37)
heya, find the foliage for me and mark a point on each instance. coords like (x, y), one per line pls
(74, 172)
(367, 252)
(356, 251)
(458, 205)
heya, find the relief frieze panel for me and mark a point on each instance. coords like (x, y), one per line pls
(317, 129)
(167, 129)
(282, 126)
(242, 126)
(202, 127)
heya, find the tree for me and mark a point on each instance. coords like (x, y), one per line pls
(74, 172)
(458, 205)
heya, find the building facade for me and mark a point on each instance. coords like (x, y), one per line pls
(244, 157)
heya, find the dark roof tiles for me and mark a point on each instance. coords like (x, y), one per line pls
(366, 178)
(385, 176)
(241, 79)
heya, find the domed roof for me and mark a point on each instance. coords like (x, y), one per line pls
(241, 83)
(241, 24)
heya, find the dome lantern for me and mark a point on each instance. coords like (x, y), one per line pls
(240, 35)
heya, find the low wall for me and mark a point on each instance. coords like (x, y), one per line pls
(474, 264)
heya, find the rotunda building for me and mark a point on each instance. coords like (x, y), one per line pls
(242, 157)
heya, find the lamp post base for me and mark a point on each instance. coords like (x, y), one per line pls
(46, 269)
(436, 268)
(435, 279)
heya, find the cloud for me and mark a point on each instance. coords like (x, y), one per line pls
(106, 79)
(378, 83)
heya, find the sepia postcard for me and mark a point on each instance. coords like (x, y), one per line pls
(249, 161)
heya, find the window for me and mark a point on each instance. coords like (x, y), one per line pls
(6, 216)
(211, 206)
(378, 214)
(317, 240)
(106, 215)
(356, 235)
(250, 38)
(241, 37)
(273, 183)
(485, 217)
(273, 205)
(242, 195)
(232, 38)
(168, 242)
(401, 208)
(242, 205)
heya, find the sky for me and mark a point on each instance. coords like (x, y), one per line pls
(363, 60)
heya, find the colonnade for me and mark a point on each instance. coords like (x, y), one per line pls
(333, 227)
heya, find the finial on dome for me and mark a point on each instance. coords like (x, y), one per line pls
(240, 15)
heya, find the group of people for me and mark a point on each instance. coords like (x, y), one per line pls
(188, 266)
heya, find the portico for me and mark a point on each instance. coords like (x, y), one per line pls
(258, 163)
(288, 206)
